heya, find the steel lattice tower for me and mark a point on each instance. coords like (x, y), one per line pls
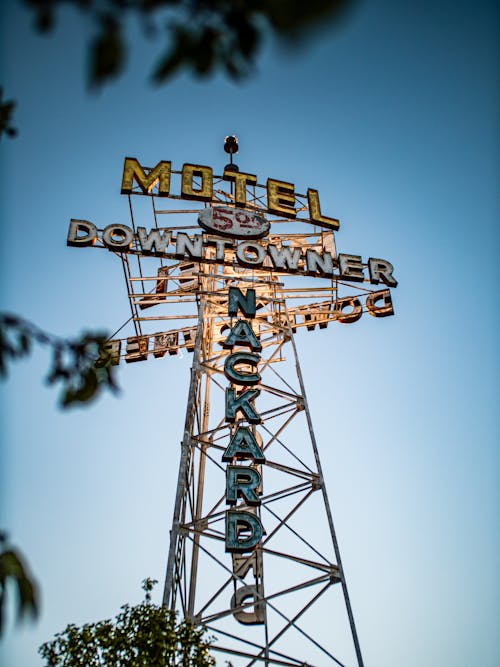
(293, 493)
(253, 553)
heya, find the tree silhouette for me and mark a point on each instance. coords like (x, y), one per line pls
(144, 635)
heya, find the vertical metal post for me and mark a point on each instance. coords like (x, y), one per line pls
(325, 499)
(201, 481)
(168, 592)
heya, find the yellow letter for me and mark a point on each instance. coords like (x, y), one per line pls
(205, 191)
(281, 198)
(160, 174)
(241, 180)
(315, 212)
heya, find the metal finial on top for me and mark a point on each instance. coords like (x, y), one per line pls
(231, 144)
(231, 147)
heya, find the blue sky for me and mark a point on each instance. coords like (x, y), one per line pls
(394, 119)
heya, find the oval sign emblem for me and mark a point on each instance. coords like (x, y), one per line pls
(235, 222)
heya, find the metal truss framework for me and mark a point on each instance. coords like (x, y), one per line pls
(254, 619)
(198, 524)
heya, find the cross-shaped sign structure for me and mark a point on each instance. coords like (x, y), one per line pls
(253, 552)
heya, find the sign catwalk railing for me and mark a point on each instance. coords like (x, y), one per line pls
(253, 553)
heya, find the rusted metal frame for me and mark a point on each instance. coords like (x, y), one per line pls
(304, 561)
(161, 318)
(283, 380)
(173, 211)
(274, 327)
(217, 504)
(282, 408)
(266, 598)
(192, 460)
(202, 422)
(160, 298)
(207, 455)
(185, 450)
(215, 596)
(265, 320)
(219, 448)
(216, 535)
(269, 342)
(156, 222)
(279, 392)
(291, 471)
(313, 323)
(133, 308)
(327, 506)
(198, 415)
(283, 522)
(199, 441)
(189, 496)
(279, 410)
(292, 623)
(209, 368)
(220, 427)
(201, 438)
(177, 569)
(285, 447)
(244, 654)
(211, 517)
(280, 430)
(203, 526)
(267, 361)
(356, 285)
(220, 354)
(226, 612)
(285, 291)
(164, 278)
(221, 200)
(243, 279)
(283, 493)
(135, 232)
(275, 337)
(294, 532)
(208, 345)
(296, 663)
(181, 591)
(199, 503)
(260, 597)
(259, 199)
(179, 573)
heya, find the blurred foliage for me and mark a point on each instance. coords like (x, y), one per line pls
(6, 111)
(145, 635)
(203, 36)
(13, 570)
(82, 366)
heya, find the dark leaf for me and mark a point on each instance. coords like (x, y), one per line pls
(45, 20)
(145, 634)
(86, 390)
(24, 342)
(293, 19)
(107, 52)
(10, 321)
(175, 57)
(6, 113)
(13, 569)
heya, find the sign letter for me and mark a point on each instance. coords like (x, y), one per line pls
(242, 402)
(243, 531)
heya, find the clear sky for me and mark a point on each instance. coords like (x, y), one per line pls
(394, 118)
